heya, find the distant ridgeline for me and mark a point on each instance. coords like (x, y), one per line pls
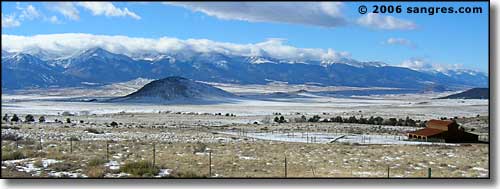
(98, 66)
(475, 93)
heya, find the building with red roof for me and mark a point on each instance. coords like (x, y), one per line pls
(443, 130)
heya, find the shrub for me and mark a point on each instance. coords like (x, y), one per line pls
(186, 174)
(12, 155)
(11, 137)
(315, 118)
(60, 167)
(95, 171)
(199, 147)
(38, 163)
(96, 162)
(140, 168)
(92, 130)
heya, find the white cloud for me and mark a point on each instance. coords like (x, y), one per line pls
(400, 41)
(422, 64)
(65, 8)
(54, 20)
(70, 43)
(29, 13)
(377, 21)
(9, 21)
(107, 9)
(325, 14)
(70, 9)
(26, 13)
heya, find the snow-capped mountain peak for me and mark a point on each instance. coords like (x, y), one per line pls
(352, 62)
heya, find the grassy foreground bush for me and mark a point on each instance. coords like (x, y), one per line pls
(186, 174)
(96, 162)
(140, 168)
(12, 155)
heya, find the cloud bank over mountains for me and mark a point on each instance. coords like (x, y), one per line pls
(422, 64)
(70, 43)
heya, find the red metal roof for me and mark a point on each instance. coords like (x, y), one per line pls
(439, 123)
(427, 132)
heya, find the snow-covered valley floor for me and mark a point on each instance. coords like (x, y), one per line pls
(241, 137)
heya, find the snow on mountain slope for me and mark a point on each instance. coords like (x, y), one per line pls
(100, 67)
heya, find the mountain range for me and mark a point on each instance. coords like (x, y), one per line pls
(96, 66)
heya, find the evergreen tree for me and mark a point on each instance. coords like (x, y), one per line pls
(29, 118)
(6, 118)
(41, 119)
(282, 119)
(14, 118)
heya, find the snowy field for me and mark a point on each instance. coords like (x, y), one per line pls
(257, 100)
(325, 138)
(247, 143)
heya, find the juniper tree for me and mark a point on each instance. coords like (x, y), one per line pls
(14, 118)
(6, 118)
(29, 118)
(41, 119)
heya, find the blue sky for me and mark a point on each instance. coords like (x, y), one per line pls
(452, 40)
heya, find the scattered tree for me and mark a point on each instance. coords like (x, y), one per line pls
(6, 118)
(282, 119)
(41, 119)
(276, 119)
(68, 120)
(14, 118)
(29, 118)
(315, 118)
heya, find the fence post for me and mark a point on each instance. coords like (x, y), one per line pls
(154, 154)
(429, 173)
(107, 150)
(71, 146)
(286, 168)
(41, 146)
(210, 163)
(388, 171)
